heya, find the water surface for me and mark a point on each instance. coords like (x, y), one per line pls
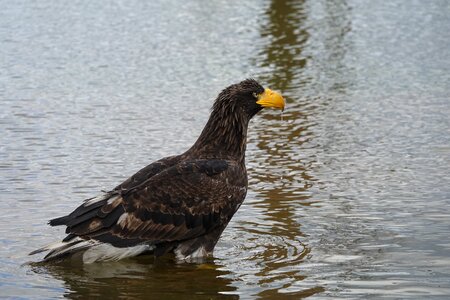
(349, 189)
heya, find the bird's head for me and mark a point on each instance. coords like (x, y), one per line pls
(226, 130)
(248, 96)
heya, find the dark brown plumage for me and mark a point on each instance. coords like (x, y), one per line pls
(180, 203)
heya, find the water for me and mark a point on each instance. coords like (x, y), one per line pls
(349, 194)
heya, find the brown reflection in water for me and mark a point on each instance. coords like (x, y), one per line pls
(279, 176)
(286, 34)
(141, 278)
(282, 175)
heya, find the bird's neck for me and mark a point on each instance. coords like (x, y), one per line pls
(224, 136)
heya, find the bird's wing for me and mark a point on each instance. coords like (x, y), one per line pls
(146, 173)
(182, 202)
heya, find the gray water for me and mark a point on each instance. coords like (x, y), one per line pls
(349, 192)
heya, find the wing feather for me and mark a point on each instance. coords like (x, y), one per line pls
(181, 202)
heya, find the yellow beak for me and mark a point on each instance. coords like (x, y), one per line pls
(271, 99)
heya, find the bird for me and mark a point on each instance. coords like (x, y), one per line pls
(179, 204)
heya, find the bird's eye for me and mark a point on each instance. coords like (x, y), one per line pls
(255, 94)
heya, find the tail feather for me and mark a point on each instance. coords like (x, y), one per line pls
(48, 247)
(69, 249)
(93, 251)
(60, 249)
(59, 221)
(88, 221)
(88, 207)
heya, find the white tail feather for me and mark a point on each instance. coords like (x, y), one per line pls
(49, 247)
(93, 250)
(70, 247)
(107, 252)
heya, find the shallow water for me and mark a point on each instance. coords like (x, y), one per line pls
(349, 191)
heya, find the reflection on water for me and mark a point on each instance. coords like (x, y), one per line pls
(141, 278)
(349, 188)
(285, 34)
(279, 177)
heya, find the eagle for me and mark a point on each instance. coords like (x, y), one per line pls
(179, 204)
